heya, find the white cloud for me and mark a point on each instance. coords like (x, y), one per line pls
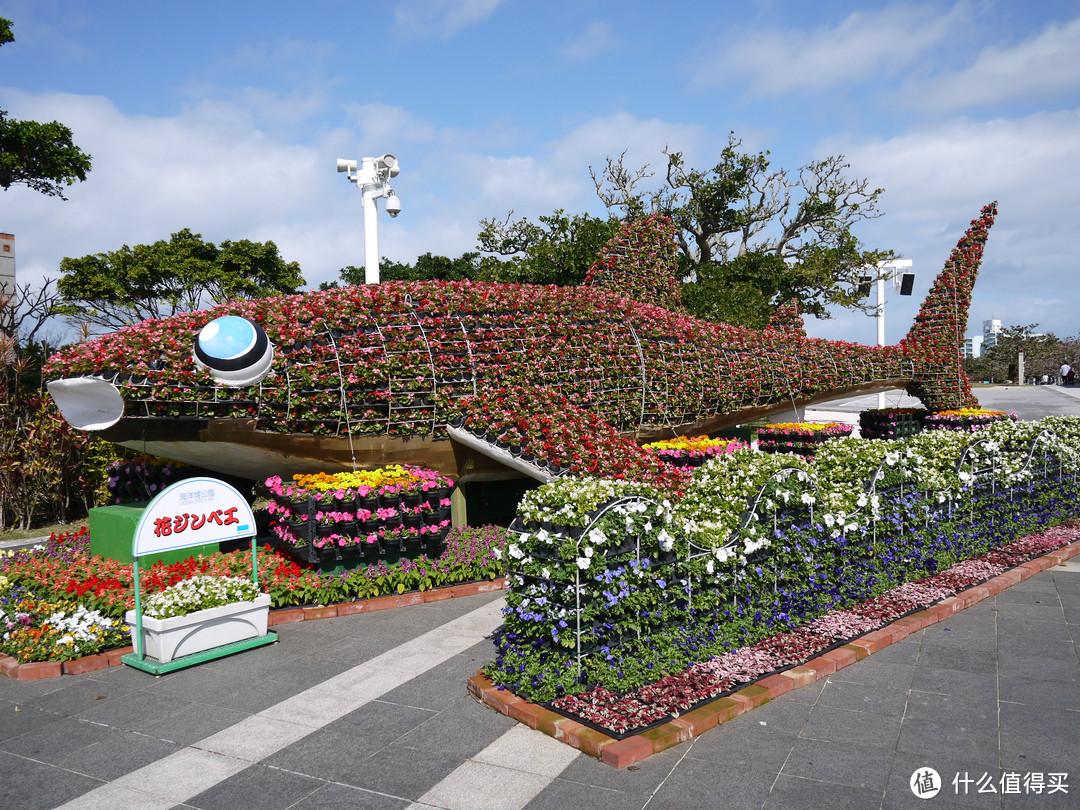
(587, 44)
(642, 138)
(212, 168)
(440, 18)
(937, 179)
(1022, 162)
(383, 127)
(208, 169)
(1042, 67)
(862, 48)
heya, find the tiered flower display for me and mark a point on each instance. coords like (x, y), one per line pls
(687, 451)
(395, 509)
(143, 477)
(801, 438)
(891, 423)
(966, 420)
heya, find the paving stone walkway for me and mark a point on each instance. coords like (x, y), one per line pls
(371, 711)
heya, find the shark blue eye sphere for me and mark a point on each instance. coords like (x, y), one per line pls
(234, 350)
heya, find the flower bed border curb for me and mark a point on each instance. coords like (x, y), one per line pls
(34, 670)
(634, 748)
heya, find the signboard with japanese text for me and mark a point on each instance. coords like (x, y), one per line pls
(193, 512)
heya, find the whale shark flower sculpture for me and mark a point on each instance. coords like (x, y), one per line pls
(398, 372)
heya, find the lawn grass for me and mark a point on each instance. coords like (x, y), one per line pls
(41, 531)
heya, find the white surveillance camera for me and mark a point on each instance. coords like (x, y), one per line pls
(393, 206)
(346, 165)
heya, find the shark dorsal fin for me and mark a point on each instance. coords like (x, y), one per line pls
(640, 262)
(787, 318)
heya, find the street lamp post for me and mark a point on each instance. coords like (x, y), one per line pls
(902, 282)
(373, 179)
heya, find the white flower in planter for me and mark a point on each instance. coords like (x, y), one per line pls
(200, 592)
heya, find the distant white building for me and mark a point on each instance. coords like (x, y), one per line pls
(991, 329)
(7, 280)
(973, 347)
(7, 262)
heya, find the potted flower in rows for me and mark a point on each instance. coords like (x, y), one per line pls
(891, 423)
(198, 614)
(801, 438)
(333, 522)
(685, 451)
(966, 419)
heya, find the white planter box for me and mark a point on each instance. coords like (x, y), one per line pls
(166, 639)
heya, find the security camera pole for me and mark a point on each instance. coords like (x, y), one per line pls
(373, 179)
(889, 270)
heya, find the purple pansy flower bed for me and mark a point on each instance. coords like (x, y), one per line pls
(648, 706)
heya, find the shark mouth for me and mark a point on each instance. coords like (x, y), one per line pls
(87, 403)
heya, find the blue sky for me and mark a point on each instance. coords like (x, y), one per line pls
(227, 118)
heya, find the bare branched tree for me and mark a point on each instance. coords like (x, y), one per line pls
(742, 205)
(26, 310)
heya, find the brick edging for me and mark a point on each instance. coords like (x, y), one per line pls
(111, 658)
(627, 751)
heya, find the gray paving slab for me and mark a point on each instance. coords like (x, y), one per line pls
(1027, 401)
(993, 690)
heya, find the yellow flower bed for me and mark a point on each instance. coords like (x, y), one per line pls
(970, 412)
(324, 482)
(804, 426)
(688, 443)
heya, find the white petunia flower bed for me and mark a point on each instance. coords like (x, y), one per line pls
(199, 593)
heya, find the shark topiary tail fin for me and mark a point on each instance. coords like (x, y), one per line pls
(933, 343)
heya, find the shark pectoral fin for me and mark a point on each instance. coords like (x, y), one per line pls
(501, 454)
(540, 432)
(87, 403)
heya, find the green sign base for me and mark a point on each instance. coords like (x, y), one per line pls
(155, 667)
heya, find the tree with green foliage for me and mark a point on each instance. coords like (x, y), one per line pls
(428, 267)
(1043, 355)
(182, 274)
(559, 249)
(751, 237)
(40, 156)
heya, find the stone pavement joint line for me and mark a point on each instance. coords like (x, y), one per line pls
(201, 766)
(636, 747)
